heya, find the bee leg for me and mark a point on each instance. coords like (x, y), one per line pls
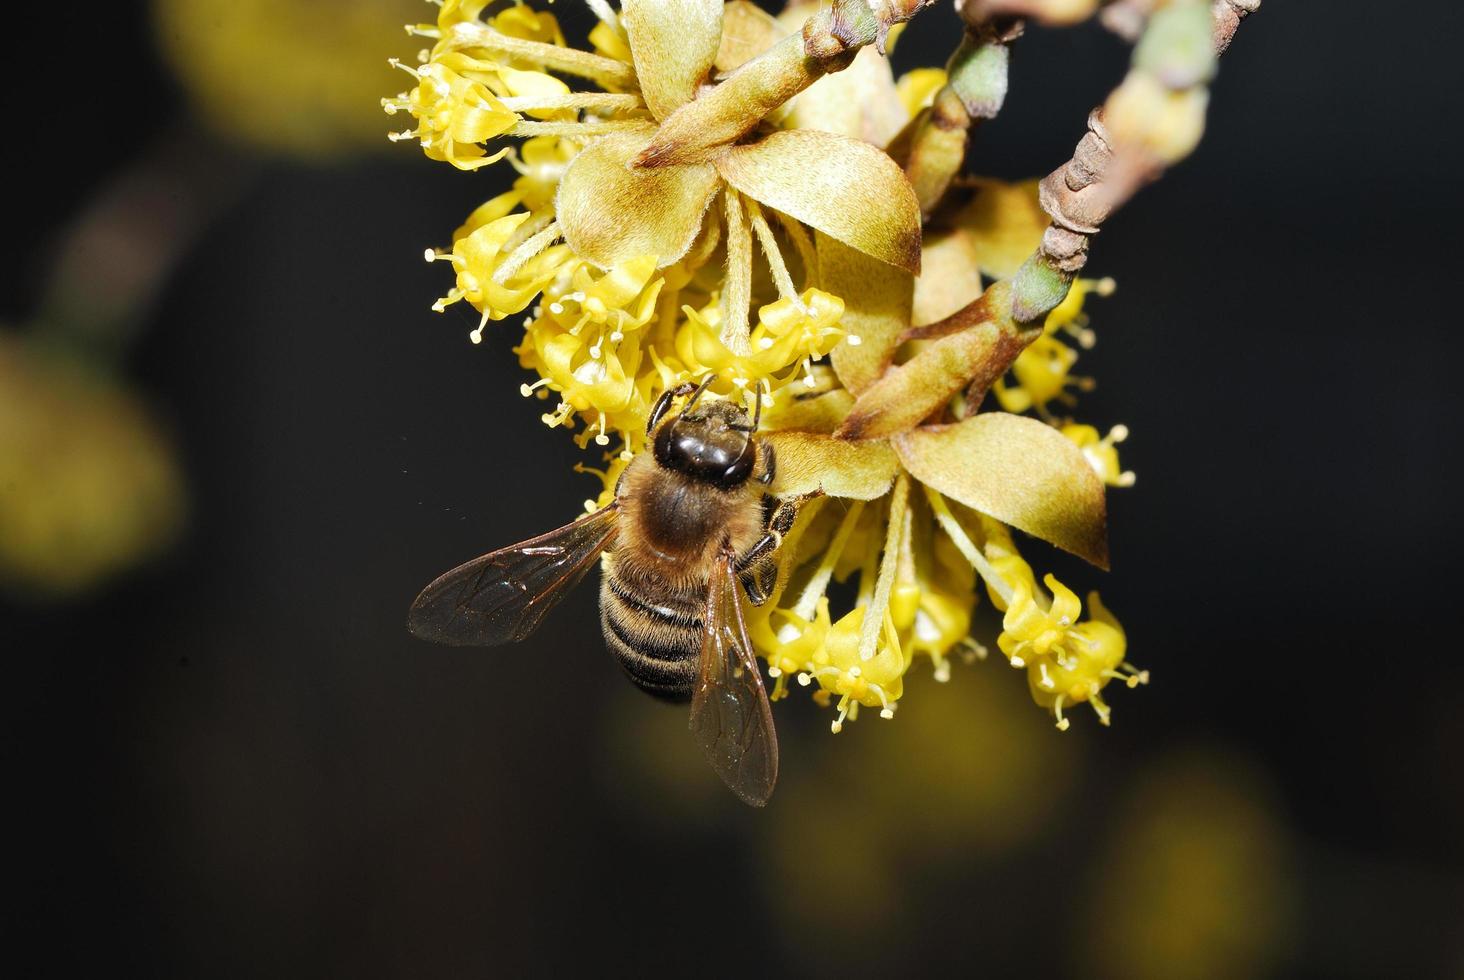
(756, 567)
(663, 404)
(759, 579)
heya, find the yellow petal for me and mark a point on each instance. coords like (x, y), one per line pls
(747, 31)
(917, 88)
(1019, 471)
(876, 309)
(531, 83)
(809, 463)
(612, 214)
(674, 43)
(844, 188)
(812, 412)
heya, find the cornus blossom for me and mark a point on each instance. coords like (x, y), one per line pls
(707, 190)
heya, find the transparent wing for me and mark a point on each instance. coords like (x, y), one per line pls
(730, 715)
(503, 596)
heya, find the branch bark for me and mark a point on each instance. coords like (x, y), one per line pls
(1107, 168)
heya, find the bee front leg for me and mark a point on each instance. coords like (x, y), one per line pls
(756, 566)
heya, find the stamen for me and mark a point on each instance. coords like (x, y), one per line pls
(971, 651)
(558, 416)
(1046, 679)
(887, 710)
(397, 63)
(942, 668)
(849, 709)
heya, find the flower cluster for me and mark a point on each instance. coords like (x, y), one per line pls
(684, 211)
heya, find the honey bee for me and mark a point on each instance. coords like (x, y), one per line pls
(691, 522)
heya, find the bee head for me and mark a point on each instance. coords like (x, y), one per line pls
(711, 443)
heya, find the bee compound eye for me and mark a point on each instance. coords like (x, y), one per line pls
(740, 468)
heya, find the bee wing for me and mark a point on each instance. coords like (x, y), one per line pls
(503, 596)
(730, 715)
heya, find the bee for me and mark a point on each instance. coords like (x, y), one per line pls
(691, 526)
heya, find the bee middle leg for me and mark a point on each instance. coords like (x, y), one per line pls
(757, 567)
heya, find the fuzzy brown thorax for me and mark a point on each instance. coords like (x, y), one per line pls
(673, 527)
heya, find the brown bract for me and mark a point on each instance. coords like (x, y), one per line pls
(967, 350)
(1018, 470)
(810, 463)
(877, 302)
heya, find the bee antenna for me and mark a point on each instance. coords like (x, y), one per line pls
(757, 405)
(706, 383)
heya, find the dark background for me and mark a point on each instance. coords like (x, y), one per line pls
(235, 762)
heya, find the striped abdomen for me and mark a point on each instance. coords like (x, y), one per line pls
(656, 638)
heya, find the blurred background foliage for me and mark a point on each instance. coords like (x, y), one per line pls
(234, 441)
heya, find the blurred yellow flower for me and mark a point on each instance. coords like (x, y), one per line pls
(88, 484)
(1196, 857)
(286, 77)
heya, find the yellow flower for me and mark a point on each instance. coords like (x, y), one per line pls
(1042, 377)
(1067, 662)
(584, 341)
(454, 114)
(651, 242)
(875, 682)
(1102, 453)
(1043, 372)
(89, 486)
(482, 79)
(944, 596)
(483, 250)
(791, 331)
(281, 75)
(792, 645)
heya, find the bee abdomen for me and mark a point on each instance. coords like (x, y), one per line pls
(658, 645)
